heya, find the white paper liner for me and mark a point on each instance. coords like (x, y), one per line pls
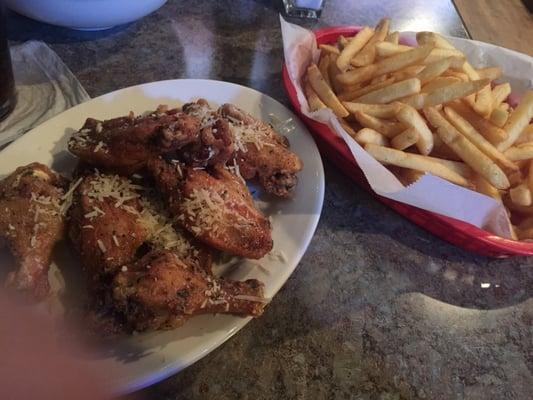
(430, 192)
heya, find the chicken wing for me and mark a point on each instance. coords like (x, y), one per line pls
(31, 223)
(215, 207)
(160, 291)
(103, 224)
(112, 220)
(262, 153)
(124, 144)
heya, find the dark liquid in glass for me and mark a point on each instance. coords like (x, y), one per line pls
(7, 84)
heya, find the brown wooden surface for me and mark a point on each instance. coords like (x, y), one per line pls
(505, 23)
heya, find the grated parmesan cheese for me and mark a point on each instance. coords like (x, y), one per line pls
(101, 246)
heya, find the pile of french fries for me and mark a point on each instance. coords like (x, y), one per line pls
(426, 109)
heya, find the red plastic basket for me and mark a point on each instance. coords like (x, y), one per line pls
(454, 231)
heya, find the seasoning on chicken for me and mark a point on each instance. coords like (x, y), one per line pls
(31, 223)
(112, 219)
(124, 144)
(216, 207)
(262, 153)
(160, 291)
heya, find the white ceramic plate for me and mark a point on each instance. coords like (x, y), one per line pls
(138, 361)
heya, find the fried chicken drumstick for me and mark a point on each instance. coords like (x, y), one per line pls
(31, 223)
(160, 291)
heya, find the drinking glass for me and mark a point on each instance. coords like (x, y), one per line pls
(7, 83)
(303, 8)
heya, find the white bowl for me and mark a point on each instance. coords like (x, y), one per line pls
(85, 14)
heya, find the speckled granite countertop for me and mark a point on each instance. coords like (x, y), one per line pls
(378, 308)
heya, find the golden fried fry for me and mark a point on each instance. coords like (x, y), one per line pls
(353, 46)
(367, 135)
(324, 92)
(410, 117)
(518, 120)
(386, 128)
(468, 152)
(405, 139)
(367, 54)
(392, 92)
(417, 162)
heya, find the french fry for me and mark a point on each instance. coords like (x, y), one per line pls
(375, 110)
(367, 54)
(330, 49)
(504, 106)
(433, 70)
(312, 99)
(526, 135)
(520, 152)
(405, 139)
(410, 117)
(367, 135)
(468, 152)
(417, 162)
(353, 46)
(470, 71)
(324, 92)
(500, 94)
(353, 94)
(392, 92)
(407, 72)
(323, 65)
(486, 128)
(458, 167)
(393, 37)
(483, 186)
(416, 100)
(342, 42)
(491, 73)
(402, 60)
(456, 74)
(440, 82)
(379, 79)
(520, 195)
(467, 130)
(518, 120)
(387, 49)
(498, 117)
(434, 39)
(386, 128)
(358, 75)
(333, 72)
(453, 91)
(458, 58)
(530, 177)
(484, 100)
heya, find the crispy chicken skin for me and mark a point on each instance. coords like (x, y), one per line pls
(124, 144)
(215, 207)
(111, 218)
(268, 158)
(105, 236)
(31, 224)
(160, 291)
